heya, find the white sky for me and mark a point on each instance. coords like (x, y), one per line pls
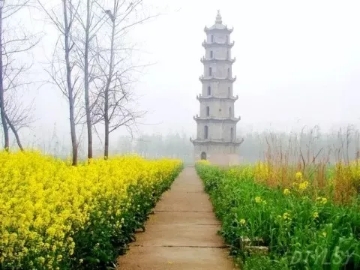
(298, 62)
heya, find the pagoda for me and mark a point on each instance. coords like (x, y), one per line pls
(216, 139)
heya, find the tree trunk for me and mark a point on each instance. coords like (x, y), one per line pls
(70, 87)
(2, 100)
(107, 88)
(106, 149)
(86, 77)
(13, 129)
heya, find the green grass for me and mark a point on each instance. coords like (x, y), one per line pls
(299, 232)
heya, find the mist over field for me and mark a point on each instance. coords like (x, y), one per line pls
(297, 65)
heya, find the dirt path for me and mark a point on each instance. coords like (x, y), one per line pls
(182, 234)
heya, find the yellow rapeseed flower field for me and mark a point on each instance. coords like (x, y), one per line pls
(45, 202)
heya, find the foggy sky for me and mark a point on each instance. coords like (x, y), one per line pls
(297, 63)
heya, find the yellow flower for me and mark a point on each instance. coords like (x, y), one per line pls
(203, 162)
(51, 231)
(286, 216)
(242, 221)
(298, 176)
(321, 200)
(324, 234)
(45, 200)
(303, 185)
(286, 191)
(315, 215)
(258, 199)
(41, 260)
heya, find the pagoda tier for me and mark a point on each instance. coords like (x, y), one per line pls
(218, 28)
(217, 119)
(212, 78)
(201, 97)
(212, 141)
(212, 60)
(206, 44)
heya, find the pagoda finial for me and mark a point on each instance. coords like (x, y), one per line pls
(218, 18)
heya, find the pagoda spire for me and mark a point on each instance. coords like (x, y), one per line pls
(218, 18)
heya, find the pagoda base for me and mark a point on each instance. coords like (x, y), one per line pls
(221, 155)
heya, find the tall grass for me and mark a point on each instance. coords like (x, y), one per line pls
(331, 169)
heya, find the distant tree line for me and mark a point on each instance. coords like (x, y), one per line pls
(306, 145)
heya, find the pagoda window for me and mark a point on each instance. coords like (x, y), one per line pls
(207, 111)
(209, 90)
(229, 91)
(212, 38)
(227, 54)
(210, 71)
(211, 54)
(232, 134)
(230, 112)
(206, 132)
(228, 72)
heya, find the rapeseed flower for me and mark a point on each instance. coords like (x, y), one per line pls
(204, 162)
(286, 216)
(286, 191)
(45, 201)
(303, 185)
(321, 200)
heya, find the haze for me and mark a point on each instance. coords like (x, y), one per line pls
(297, 63)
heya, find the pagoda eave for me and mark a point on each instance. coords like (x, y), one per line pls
(202, 79)
(234, 119)
(200, 97)
(210, 141)
(214, 44)
(214, 29)
(212, 60)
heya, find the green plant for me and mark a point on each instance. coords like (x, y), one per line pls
(299, 231)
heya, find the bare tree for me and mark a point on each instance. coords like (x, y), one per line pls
(64, 72)
(20, 114)
(91, 25)
(86, 76)
(2, 100)
(114, 99)
(14, 42)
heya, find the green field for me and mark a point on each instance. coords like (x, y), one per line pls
(275, 217)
